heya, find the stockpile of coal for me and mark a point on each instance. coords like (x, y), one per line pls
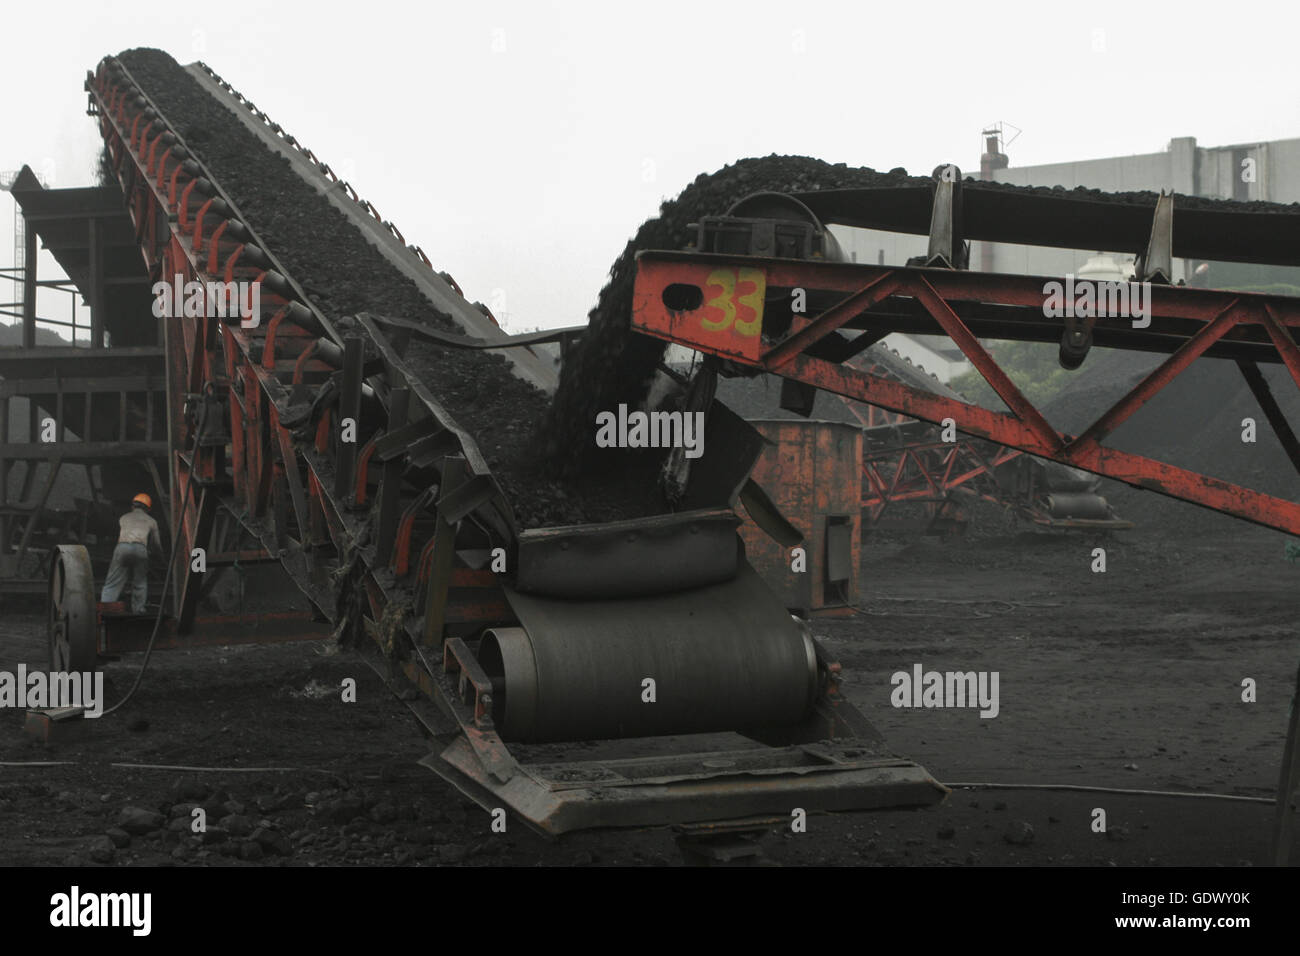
(1194, 423)
(612, 366)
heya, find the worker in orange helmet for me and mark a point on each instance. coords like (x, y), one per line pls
(137, 537)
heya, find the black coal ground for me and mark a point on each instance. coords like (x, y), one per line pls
(1196, 422)
(1128, 679)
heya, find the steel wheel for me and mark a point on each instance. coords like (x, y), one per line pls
(72, 621)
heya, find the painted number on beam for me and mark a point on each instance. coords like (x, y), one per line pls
(734, 299)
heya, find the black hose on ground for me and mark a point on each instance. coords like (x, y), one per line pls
(171, 563)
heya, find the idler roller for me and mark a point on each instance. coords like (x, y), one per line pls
(723, 657)
(1075, 505)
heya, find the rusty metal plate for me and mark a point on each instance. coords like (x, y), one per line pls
(695, 789)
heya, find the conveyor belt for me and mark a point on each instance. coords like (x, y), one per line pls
(366, 467)
(1218, 230)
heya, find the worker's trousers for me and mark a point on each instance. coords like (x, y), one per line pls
(129, 560)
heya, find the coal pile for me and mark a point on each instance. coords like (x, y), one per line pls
(1194, 423)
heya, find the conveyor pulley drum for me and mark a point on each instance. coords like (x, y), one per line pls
(723, 657)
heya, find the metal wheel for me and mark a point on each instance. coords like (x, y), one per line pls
(72, 621)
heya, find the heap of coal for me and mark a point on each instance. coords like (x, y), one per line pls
(1195, 422)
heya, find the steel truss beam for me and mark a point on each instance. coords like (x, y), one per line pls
(928, 472)
(1185, 323)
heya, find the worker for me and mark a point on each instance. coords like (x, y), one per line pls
(137, 537)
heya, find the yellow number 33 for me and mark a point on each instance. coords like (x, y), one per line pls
(738, 302)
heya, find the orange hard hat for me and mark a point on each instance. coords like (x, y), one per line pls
(143, 499)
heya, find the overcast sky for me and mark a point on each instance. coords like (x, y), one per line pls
(521, 144)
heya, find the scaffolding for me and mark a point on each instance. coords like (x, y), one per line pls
(88, 426)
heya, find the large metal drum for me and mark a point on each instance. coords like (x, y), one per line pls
(72, 625)
(723, 657)
(1077, 505)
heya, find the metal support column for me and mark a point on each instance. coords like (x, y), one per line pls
(29, 288)
(96, 270)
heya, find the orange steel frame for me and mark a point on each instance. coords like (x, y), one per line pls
(1187, 322)
(181, 233)
(927, 472)
(282, 486)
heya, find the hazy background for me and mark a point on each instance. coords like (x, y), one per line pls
(521, 144)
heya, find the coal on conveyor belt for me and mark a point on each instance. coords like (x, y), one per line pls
(344, 274)
(543, 455)
(549, 482)
(1140, 198)
(612, 366)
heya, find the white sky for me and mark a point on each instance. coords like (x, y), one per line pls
(523, 171)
